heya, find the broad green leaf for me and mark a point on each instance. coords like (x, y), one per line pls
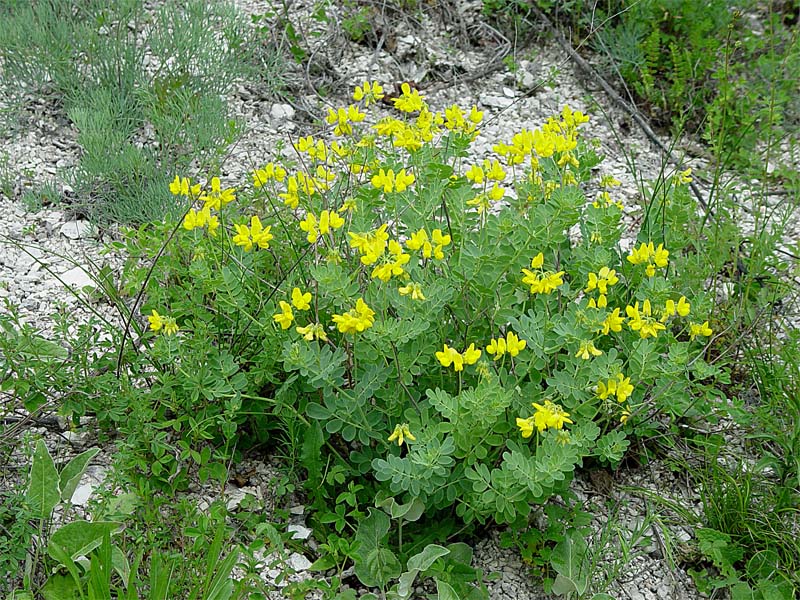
(72, 473)
(570, 560)
(445, 591)
(411, 511)
(460, 553)
(60, 587)
(80, 537)
(42, 494)
(121, 565)
(371, 536)
(381, 566)
(424, 560)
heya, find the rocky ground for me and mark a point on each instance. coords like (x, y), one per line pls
(49, 254)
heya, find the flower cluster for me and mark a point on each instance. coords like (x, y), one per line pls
(541, 281)
(619, 386)
(356, 320)
(162, 323)
(401, 433)
(254, 235)
(643, 320)
(431, 246)
(328, 220)
(391, 182)
(511, 344)
(450, 356)
(547, 416)
(600, 281)
(653, 257)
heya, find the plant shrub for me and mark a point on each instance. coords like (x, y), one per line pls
(435, 328)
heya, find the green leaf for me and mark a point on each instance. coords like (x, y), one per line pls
(60, 587)
(72, 473)
(121, 565)
(445, 591)
(371, 535)
(423, 560)
(80, 537)
(42, 494)
(570, 560)
(411, 511)
(323, 563)
(382, 566)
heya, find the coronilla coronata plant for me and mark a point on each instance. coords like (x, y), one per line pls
(429, 322)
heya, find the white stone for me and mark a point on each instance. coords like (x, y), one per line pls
(82, 493)
(77, 230)
(281, 111)
(495, 101)
(299, 532)
(78, 277)
(297, 510)
(298, 562)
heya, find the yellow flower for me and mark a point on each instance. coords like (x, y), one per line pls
(312, 331)
(514, 344)
(613, 322)
(601, 280)
(218, 197)
(417, 240)
(624, 387)
(368, 92)
(440, 240)
(389, 182)
(285, 317)
(537, 261)
(356, 320)
(696, 329)
(661, 256)
(511, 344)
(643, 321)
(587, 350)
(647, 253)
(475, 174)
(300, 300)
(549, 416)
(170, 326)
(401, 433)
(410, 100)
(494, 172)
(309, 225)
(270, 171)
(685, 176)
(604, 390)
(609, 181)
(681, 308)
(471, 355)
(450, 356)
(183, 187)
(414, 289)
(526, 426)
(543, 282)
(163, 323)
(256, 234)
(497, 347)
(156, 320)
(475, 115)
